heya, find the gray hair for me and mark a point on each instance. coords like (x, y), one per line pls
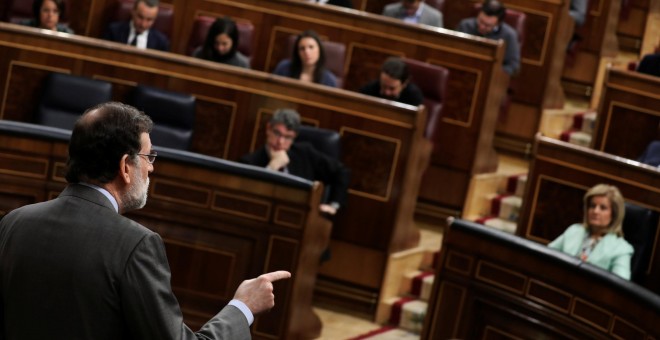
(289, 117)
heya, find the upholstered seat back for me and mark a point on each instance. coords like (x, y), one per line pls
(173, 115)
(335, 57)
(164, 20)
(65, 97)
(324, 140)
(432, 80)
(201, 28)
(640, 226)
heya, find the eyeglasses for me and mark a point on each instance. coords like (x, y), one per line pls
(278, 134)
(151, 158)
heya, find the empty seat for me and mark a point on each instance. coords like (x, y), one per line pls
(326, 141)
(640, 226)
(164, 20)
(335, 57)
(432, 81)
(65, 97)
(201, 28)
(173, 115)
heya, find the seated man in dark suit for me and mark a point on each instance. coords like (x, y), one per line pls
(650, 64)
(490, 24)
(300, 159)
(138, 31)
(394, 84)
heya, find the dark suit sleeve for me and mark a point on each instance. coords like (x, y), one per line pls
(111, 33)
(150, 308)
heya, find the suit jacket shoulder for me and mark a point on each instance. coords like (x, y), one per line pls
(158, 41)
(430, 16)
(118, 32)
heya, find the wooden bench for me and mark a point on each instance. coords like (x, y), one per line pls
(560, 174)
(547, 32)
(382, 144)
(629, 114)
(584, 70)
(493, 285)
(474, 90)
(222, 222)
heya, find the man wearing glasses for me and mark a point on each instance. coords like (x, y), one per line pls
(75, 268)
(490, 24)
(299, 159)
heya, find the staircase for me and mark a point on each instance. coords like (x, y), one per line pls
(402, 314)
(575, 126)
(495, 200)
(581, 129)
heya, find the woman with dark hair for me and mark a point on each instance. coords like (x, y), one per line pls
(307, 61)
(599, 238)
(47, 14)
(221, 44)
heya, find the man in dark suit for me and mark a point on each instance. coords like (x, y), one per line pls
(138, 31)
(75, 268)
(300, 159)
(394, 84)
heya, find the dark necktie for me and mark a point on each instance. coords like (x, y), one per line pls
(134, 41)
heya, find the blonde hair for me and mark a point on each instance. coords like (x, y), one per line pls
(616, 202)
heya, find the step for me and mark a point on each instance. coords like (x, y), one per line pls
(498, 223)
(576, 137)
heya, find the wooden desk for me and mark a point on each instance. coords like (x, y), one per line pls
(547, 32)
(584, 74)
(560, 174)
(493, 285)
(221, 222)
(382, 143)
(629, 114)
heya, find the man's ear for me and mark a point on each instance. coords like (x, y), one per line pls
(125, 169)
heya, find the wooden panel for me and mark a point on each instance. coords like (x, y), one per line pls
(631, 28)
(210, 251)
(559, 176)
(629, 114)
(564, 301)
(598, 41)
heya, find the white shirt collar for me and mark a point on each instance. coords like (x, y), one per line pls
(414, 19)
(105, 193)
(141, 38)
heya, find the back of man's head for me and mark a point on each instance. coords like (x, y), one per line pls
(396, 68)
(101, 137)
(289, 117)
(494, 8)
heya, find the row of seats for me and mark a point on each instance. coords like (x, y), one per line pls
(65, 97)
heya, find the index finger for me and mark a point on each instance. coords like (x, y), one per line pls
(278, 275)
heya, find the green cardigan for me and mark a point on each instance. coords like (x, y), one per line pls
(612, 253)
